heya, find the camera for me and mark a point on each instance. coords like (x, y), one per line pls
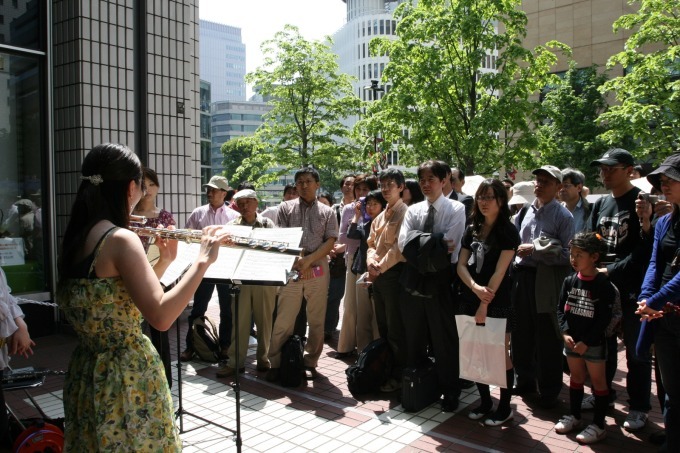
(648, 197)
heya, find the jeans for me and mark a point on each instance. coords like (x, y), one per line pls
(639, 375)
(667, 349)
(201, 300)
(336, 290)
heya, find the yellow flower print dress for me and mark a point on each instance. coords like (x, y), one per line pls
(116, 396)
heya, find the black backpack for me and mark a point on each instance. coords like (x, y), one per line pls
(205, 339)
(292, 366)
(372, 368)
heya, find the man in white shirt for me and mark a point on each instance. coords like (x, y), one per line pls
(216, 212)
(433, 312)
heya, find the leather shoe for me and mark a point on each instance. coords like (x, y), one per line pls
(186, 355)
(224, 353)
(262, 368)
(449, 403)
(272, 375)
(226, 371)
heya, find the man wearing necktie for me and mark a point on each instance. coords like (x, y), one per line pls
(431, 316)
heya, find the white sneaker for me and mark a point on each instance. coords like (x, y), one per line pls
(635, 420)
(588, 403)
(567, 424)
(591, 434)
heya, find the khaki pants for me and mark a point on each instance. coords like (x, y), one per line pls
(315, 292)
(358, 321)
(254, 302)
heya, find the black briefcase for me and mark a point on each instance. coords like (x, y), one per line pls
(419, 387)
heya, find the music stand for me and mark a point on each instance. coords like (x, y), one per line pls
(234, 291)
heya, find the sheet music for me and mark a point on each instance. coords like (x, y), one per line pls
(185, 257)
(264, 266)
(235, 263)
(291, 236)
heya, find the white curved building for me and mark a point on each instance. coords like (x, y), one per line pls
(366, 20)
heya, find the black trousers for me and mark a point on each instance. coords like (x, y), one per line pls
(432, 321)
(536, 346)
(387, 300)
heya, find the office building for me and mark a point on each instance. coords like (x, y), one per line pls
(223, 61)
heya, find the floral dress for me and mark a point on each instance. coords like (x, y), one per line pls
(116, 397)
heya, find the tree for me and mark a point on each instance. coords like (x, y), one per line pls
(568, 136)
(310, 98)
(648, 94)
(453, 108)
(237, 153)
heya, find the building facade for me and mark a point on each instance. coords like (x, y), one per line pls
(584, 25)
(77, 74)
(223, 61)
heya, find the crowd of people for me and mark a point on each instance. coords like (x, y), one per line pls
(569, 277)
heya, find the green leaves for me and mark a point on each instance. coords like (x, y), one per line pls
(310, 98)
(444, 89)
(648, 94)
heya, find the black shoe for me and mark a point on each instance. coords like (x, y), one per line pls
(465, 384)
(449, 403)
(311, 373)
(658, 438)
(345, 355)
(547, 402)
(272, 375)
(523, 389)
(327, 337)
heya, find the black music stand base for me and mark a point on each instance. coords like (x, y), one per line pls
(179, 414)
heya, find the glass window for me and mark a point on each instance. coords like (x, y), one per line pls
(382, 27)
(22, 26)
(23, 224)
(394, 27)
(388, 27)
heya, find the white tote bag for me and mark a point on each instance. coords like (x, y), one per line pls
(482, 350)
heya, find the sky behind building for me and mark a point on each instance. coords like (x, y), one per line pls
(259, 20)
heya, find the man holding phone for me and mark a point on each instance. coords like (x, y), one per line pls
(319, 231)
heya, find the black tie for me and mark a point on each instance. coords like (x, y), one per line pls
(429, 221)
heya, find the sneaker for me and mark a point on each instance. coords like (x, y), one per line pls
(588, 403)
(635, 420)
(567, 424)
(591, 434)
(392, 385)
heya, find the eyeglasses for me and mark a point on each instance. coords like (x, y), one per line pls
(388, 185)
(605, 169)
(485, 198)
(566, 185)
(544, 182)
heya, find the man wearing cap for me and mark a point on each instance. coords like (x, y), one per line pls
(629, 251)
(538, 273)
(213, 213)
(255, 302)
(319, 232)
(572, 197)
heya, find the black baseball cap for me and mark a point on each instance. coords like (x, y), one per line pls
(670, 168)
(613, 157)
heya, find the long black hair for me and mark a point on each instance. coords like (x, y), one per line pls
(503, 219)
(416, 192)
(102, 195)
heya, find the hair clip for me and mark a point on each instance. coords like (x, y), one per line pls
(95, 180)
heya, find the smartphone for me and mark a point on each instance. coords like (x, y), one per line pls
(317, 271)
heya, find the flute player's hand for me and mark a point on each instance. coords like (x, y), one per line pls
(212, 237)
(167, 248)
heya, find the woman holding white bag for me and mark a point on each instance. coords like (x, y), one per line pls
(487, 249)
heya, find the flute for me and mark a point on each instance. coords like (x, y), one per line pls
(234, 241)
